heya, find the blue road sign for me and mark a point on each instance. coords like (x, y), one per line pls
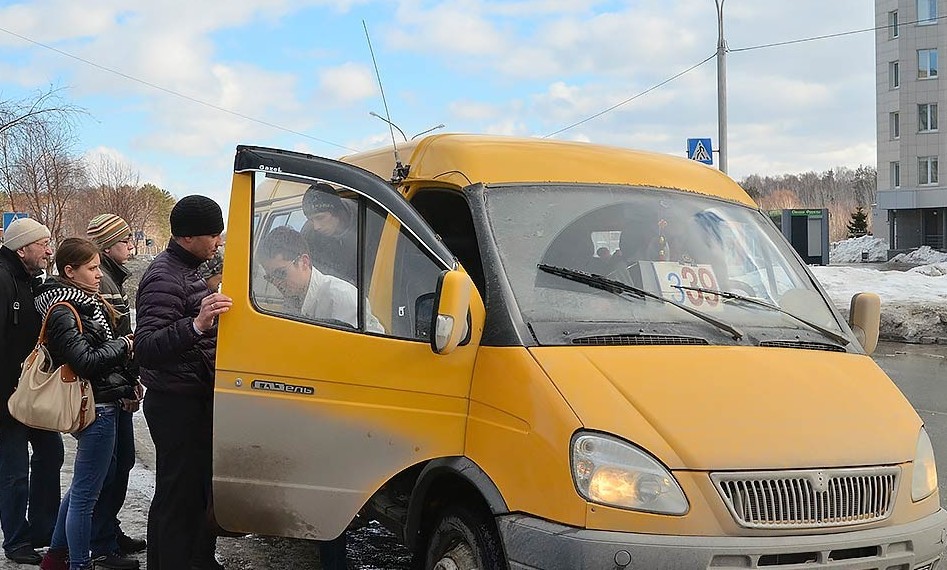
(700, 150)
(8, 218)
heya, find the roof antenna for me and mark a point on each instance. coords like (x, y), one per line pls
(401, 171)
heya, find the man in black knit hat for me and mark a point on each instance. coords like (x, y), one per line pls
(175, 347)
(331, 231)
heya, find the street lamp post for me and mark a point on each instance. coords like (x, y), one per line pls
(721, 88)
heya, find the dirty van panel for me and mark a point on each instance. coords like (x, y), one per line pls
(312, 415)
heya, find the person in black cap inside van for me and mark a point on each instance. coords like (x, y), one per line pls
(331, 231)
(175, 347)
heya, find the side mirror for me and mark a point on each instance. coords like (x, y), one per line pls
(864, 318)
(452, 303)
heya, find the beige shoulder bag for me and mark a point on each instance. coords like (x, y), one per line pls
(54, 400)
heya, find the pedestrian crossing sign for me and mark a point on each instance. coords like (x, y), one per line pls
(700, 150)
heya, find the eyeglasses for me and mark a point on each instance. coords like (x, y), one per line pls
(42, 244)
(280, 273)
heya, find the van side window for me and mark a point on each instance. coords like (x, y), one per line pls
(402, 280)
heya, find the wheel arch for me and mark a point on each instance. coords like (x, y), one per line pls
(457, 478)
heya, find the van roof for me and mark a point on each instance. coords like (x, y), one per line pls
(463, 159)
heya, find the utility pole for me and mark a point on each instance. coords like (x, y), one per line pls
(721, 88)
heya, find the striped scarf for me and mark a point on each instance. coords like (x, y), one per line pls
(78, 297)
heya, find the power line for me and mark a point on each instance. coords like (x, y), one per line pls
(748, 48)
(632, 98)
(836, 35)
(175, 93)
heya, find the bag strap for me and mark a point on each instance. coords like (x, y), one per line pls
(42, 332)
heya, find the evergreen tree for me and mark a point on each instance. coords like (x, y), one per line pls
(858, 225)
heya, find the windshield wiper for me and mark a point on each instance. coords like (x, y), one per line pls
(619, 288)
(729, 295)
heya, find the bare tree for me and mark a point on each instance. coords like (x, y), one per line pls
(44, 106)
(35, 153)
(115, 189)
(42, 175)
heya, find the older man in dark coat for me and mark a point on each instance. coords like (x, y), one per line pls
(29, 487)
(175, 346)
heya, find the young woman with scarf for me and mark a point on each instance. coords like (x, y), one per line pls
(97, 355)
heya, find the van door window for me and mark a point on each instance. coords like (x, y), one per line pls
(305, 260)
(402, 280)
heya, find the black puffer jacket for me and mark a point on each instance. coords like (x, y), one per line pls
(171, 356)
(95, 354)
(19, 324)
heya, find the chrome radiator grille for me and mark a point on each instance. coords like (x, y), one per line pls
(809, 498)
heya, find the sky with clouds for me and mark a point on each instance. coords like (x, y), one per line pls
(172, 87)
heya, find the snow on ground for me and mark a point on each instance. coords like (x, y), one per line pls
(850, 250)
(923, 254)
(913, 302)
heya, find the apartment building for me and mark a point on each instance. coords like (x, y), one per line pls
(911, 208)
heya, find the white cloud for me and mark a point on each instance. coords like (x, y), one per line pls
(346, 84)
(522, 67)
(145, 172)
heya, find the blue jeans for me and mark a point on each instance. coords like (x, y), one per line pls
(94, 452)
(105, 523)
(29, 486)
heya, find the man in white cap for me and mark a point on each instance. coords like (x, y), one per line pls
(29, 487)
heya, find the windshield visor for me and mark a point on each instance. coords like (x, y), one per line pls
(663, 241)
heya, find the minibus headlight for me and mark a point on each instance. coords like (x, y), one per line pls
(925, 470)
(609, 471)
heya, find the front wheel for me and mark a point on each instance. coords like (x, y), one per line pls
(463, 539)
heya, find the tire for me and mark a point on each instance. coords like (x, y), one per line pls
(464, 539)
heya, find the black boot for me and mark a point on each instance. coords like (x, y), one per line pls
(128, 545)
(115, 561)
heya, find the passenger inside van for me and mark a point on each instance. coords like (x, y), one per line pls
(331, 231)
(306, 291)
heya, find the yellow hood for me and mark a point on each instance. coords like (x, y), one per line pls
(717, 408)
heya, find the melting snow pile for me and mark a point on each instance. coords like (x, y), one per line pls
(913, 303)
(923, 254)
(850, 250)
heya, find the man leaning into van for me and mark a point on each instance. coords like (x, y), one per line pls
(175, 347)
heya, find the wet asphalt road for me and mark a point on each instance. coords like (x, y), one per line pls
(920, 371)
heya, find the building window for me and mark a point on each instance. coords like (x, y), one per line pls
(895, 119)
(926, 63)
(927, 117)
(927, 170)
(894, 75)
(926, 12)
(895, 174)
(893, 31)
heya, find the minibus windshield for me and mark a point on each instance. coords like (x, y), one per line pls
(724, 260)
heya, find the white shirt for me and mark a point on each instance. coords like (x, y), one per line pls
(329, 297)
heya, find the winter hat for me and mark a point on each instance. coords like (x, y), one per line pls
(22, 232)
(196, 215)
(321, 198)
(106, 230)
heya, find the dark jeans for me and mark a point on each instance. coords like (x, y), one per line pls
(178, 531)
(29, 486)
(95, 449)
(105, 523)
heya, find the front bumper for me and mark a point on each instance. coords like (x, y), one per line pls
(533, 543)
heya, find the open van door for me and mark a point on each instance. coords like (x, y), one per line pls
(327, 385)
